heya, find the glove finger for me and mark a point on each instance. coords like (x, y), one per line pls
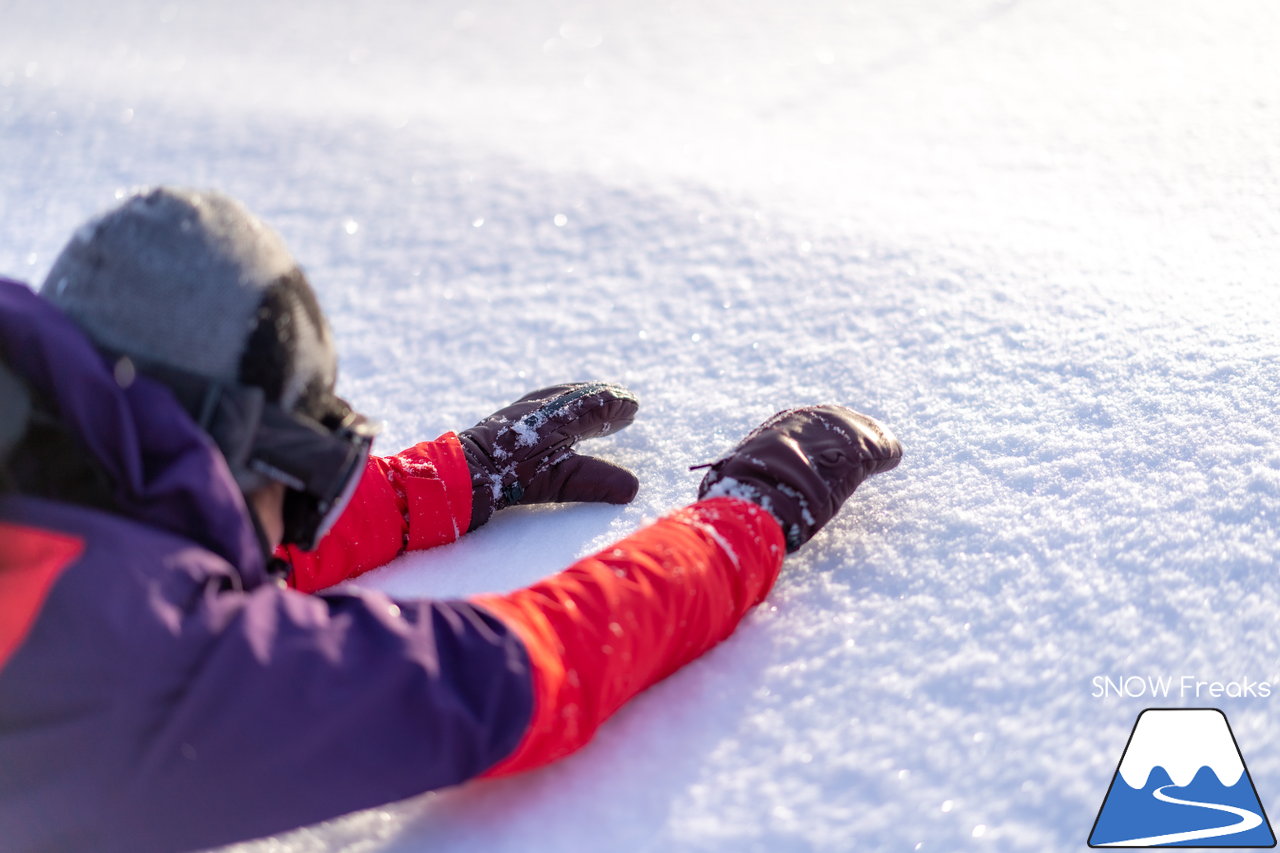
(582, 410)
(548, 393)
(583, 478)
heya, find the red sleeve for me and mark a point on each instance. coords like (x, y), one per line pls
(419, 498)
(615, 623)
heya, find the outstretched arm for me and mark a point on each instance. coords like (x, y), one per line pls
(267, 709)
(435, 491)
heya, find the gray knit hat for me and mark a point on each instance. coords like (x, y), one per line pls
(193, 280)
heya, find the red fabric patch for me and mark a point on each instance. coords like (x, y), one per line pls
(419, 498)
(615, 623)
(30, 561)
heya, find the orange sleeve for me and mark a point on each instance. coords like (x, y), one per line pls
(617, 622)
(419, 498)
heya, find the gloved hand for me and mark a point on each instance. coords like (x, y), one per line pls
(524, 453)
(802, 464)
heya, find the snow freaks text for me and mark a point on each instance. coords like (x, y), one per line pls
(1176, 687)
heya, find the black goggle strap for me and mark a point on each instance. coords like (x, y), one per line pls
(310, 457)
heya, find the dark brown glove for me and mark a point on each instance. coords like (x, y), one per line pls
(802, 464)
(523, 454)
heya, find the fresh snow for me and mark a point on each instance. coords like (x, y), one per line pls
(1040, 240)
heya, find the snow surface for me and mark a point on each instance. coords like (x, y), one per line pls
(1038, 239)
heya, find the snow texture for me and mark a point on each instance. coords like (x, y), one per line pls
(1039, 240)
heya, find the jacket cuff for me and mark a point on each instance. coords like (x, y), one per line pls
(433, 484)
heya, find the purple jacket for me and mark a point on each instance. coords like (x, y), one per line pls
(169, 695)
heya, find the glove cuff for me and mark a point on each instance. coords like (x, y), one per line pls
(486, 485)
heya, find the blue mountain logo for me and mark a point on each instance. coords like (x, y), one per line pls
(1182, 782)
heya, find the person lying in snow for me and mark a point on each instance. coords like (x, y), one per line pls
(181, 483)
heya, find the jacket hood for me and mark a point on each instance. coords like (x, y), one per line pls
(165, 472)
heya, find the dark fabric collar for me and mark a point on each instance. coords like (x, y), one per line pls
(164, 471)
